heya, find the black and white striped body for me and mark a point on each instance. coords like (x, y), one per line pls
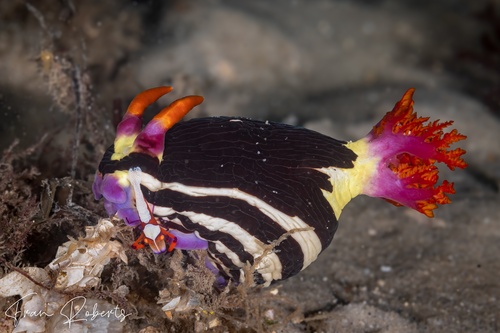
(242, 184)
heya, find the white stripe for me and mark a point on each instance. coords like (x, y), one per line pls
(270, 265)
(221, 265)
(134, 177)
(307, 239)
(232, 256)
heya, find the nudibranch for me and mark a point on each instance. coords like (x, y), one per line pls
(262, 193)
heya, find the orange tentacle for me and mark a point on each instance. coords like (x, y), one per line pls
(145, 99)
(171, 114)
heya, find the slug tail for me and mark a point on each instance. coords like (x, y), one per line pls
(405, 148)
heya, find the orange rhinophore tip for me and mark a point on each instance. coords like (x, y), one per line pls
(151, 139)
(131, 123)
(145, 99)
(176, 111)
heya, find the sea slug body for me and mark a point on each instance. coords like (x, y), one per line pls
(236, 186)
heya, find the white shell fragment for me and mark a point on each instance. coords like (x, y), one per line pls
(78, 264)
(186, 302)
